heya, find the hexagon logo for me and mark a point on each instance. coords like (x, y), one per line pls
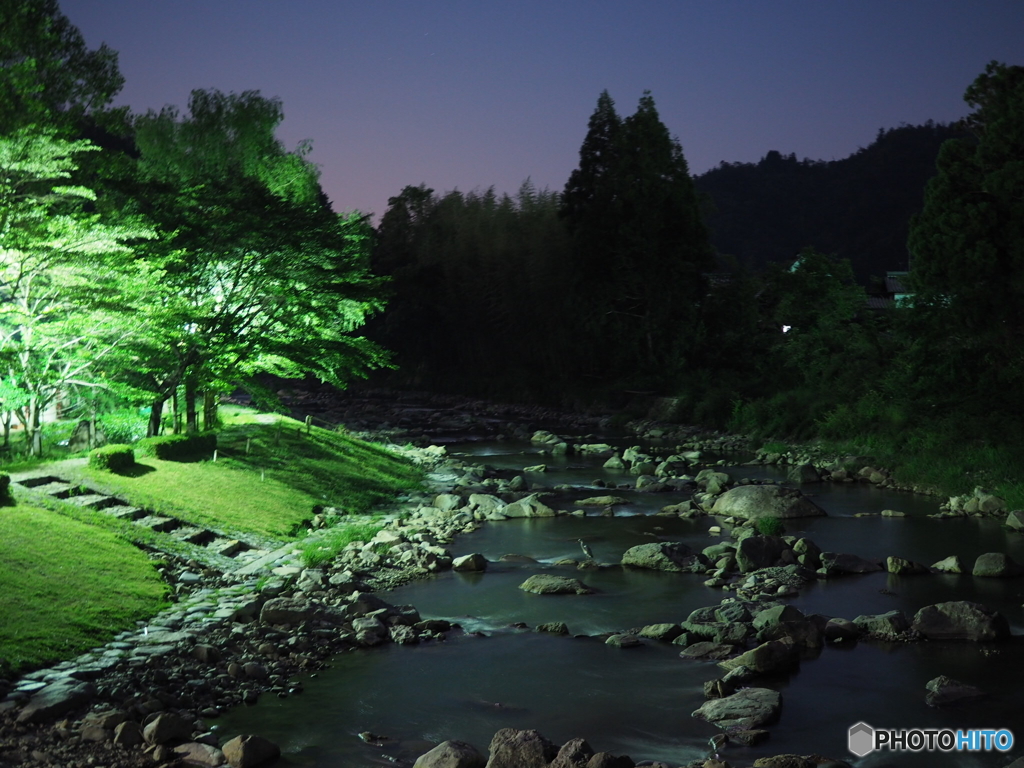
(861, 739)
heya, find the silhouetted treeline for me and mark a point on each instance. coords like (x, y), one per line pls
(858, 208)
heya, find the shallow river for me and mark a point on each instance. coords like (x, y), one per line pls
(638, 701)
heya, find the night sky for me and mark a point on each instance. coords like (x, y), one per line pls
(476, 94)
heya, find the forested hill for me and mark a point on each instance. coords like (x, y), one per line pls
(858, 207)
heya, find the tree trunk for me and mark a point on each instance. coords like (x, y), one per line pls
(191, 417)
(209, 410)
(155, 417)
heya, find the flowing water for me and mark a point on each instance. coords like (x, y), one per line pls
(638, 701)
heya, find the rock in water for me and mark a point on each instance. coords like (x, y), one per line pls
(745, 709)
(961, 620)
(755, 501)
(512, 748)
(451, 754)
(548, 584)
(249, 751)
(660, 556)
(943, 691)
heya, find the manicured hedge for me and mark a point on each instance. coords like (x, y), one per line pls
(179, 447)
(112, 458)
(5, 489)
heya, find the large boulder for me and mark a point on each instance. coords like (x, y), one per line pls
(943, 691)
(575, 753)
(474, 563)
(755, 501)
(249, 751)
(833, 563)
(961, 620)
(549, 584)
(888, 624)
(512, 748)
(451, 754)
(166, 728)
(661, 556)
(747, 708)
(529, 506)
(773, 656)
(996, 565)
(56, 699)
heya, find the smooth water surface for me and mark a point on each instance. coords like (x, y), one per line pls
(638, 701)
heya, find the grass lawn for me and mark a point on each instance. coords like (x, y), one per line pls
(269, 475)
(66, 586)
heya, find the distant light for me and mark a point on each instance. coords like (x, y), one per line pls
(785, 328)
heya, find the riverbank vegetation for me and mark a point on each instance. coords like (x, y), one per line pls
(72, 577)
(865, 306)
(67, 586)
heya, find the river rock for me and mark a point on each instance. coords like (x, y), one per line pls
(996, 565)
(529, 506)
(707, 650)
(943, 691)
(485, 503)
(837, 564)
(554, 628)
(601, 501)
(512, 748)
(961, 620)
(755, 501)
(549, 584)
(664, 632)
(56, 699)
(786, 761)
(623, 641)
(167, 727)
(474, 563)
(777, 614)
(885, 624)
(951, 564)
(773, 656)
(745, 709)
(840, 630)
(198, 755)
(451, 754)
(575, 753)
(660, 556)
(901, 567)
(250, 751)
(287, 610)
(128, 734)
(801, 474)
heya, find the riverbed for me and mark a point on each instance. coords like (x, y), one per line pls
(497, 673)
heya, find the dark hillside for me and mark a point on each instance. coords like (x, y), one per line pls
(858, 208)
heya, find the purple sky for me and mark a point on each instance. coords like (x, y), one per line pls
(479, 93)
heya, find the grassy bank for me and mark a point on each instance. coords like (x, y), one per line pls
(66, 586)
(71, 578)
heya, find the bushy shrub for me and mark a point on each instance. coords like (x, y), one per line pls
(112, 458)
(770, 526)
(6, 498)
(179, 447)
(123, 426)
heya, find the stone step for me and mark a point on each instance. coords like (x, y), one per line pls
(228, 547)
(35, 481)
(92, 500)
(125, 512)
(158, 523)
(56, 488)
(193, 535)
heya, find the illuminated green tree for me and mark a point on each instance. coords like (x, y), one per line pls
(260, 274)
